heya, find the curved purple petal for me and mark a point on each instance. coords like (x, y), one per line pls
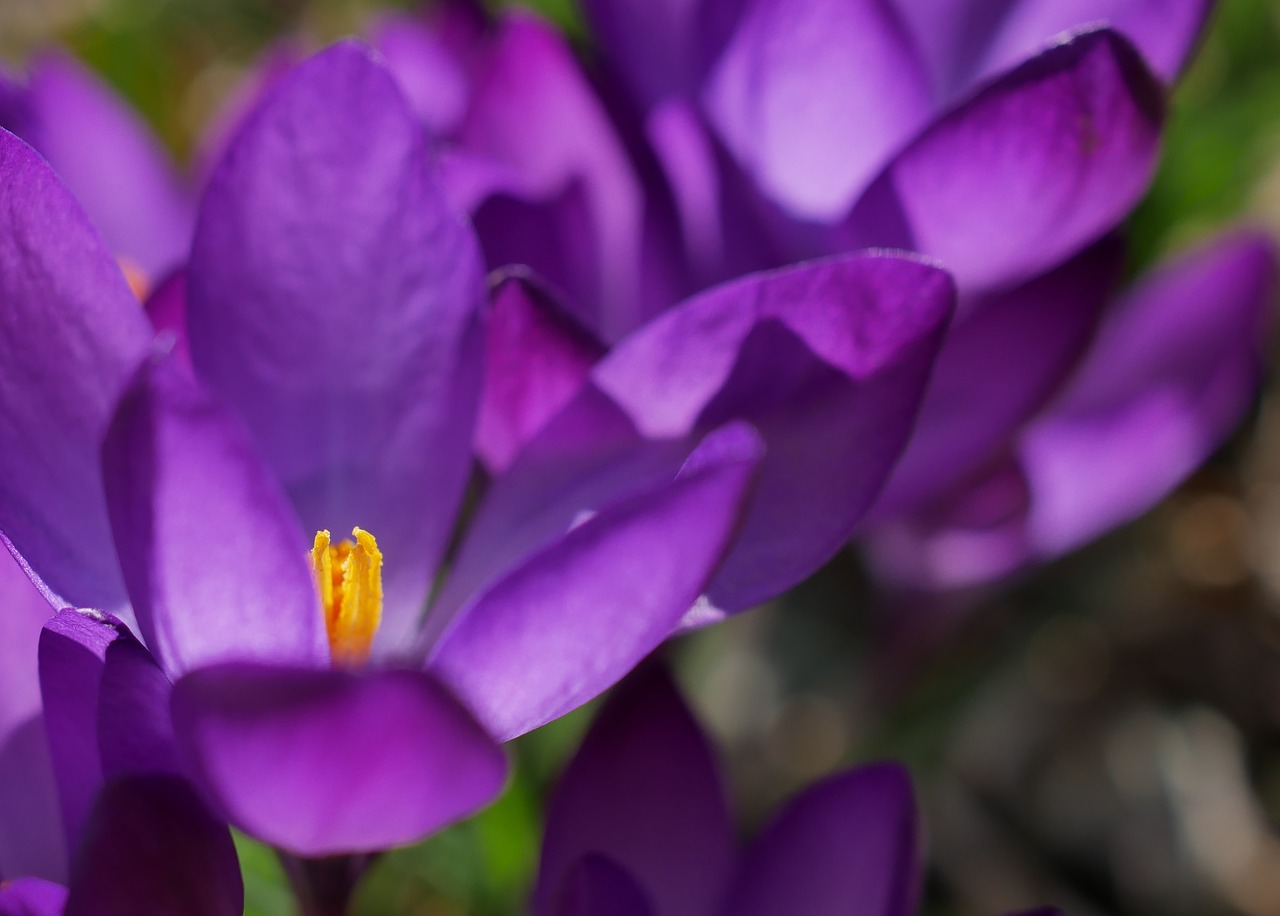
(126, 182)
(31, 842)
(572, 619)
(212, 553)
(644, 790)
(596, 886)
(167, 308)
(151, 848)
(1027, 172)
(326, 762)
(71, 334)
(536, 359)
(815, 96)
(430, 75)
(999, 364)
(134, 728)
(333, 300)
(32, 897)
(828, 360)
(848, 844)
(553, 158)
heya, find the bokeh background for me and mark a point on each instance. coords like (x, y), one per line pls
(1102, 733)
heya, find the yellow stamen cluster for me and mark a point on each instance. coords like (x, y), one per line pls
(349, 578)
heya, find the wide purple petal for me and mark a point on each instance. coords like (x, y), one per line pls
(536, 359)
(324, 762)
(815, 96)
(828, 360)
(644, 790)
(432, 78)
(31, 842)
(554, 163)
(1027, 172)
(333, 300)
(572, 619)
(214, 558)
(1000, 363)
(32, 897)
(596, 886)
(126, 182)
(1172, 371)
(151, 848)
(850, 844)
(71, 334)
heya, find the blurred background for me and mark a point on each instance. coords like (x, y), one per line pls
(1102, 733)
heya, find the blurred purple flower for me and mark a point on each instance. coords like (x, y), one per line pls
(639, 825)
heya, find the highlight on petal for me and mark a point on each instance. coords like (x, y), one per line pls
(536, 359)
(327, 762)
(852, 839)
(596, 886)
(32, 897)
(151, 848)
(71, 334)
(31, 842)
(124, 179)
(570, 620)
(333, 302)
(644, 792)
(1029, 171)
(429, 73)
(213, 556)
(814, 96)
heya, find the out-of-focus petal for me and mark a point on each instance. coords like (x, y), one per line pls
(815, 96)
(554, 160)
(32, 897)
(644, 790)
(122, 177)
(1172, 370)
(536, 359)
(429, 74)
(333, 300)
(1029, 171)
(572, 619)
(848, 844)
(1000, 363)
(596, 886)
(71, 334)
(215, 561)
(325, 762)
(31, 842)
(151, 848)
(828, 360)
(167, 308)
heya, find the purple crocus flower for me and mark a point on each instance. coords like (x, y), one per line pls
(331, 310)
(639, 824)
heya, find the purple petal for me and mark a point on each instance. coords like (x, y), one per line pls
(167, 308)
(848, 844)
(596, 886)
(1029, 171)
(333, 302)
(134, 728)
(330, 762)
(999, 364)
(152, 849)
(71, 333)
(430, 75)
(554, 160)
(829, 361)
(72, 650)
(536, 359)
(31, 842)
(32, 897)
(645, 791)
(572, 619)
(214, 558)
(814, 96)
(1172, 371)
(123, 178)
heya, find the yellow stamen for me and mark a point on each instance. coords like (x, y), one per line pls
(349, 580)
(136, 277)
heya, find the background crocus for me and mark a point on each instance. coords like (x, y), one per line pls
(639, 823)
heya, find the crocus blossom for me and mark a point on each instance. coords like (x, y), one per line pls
(639, 824)
(332, 313)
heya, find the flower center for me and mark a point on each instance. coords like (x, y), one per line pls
(349, 578)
